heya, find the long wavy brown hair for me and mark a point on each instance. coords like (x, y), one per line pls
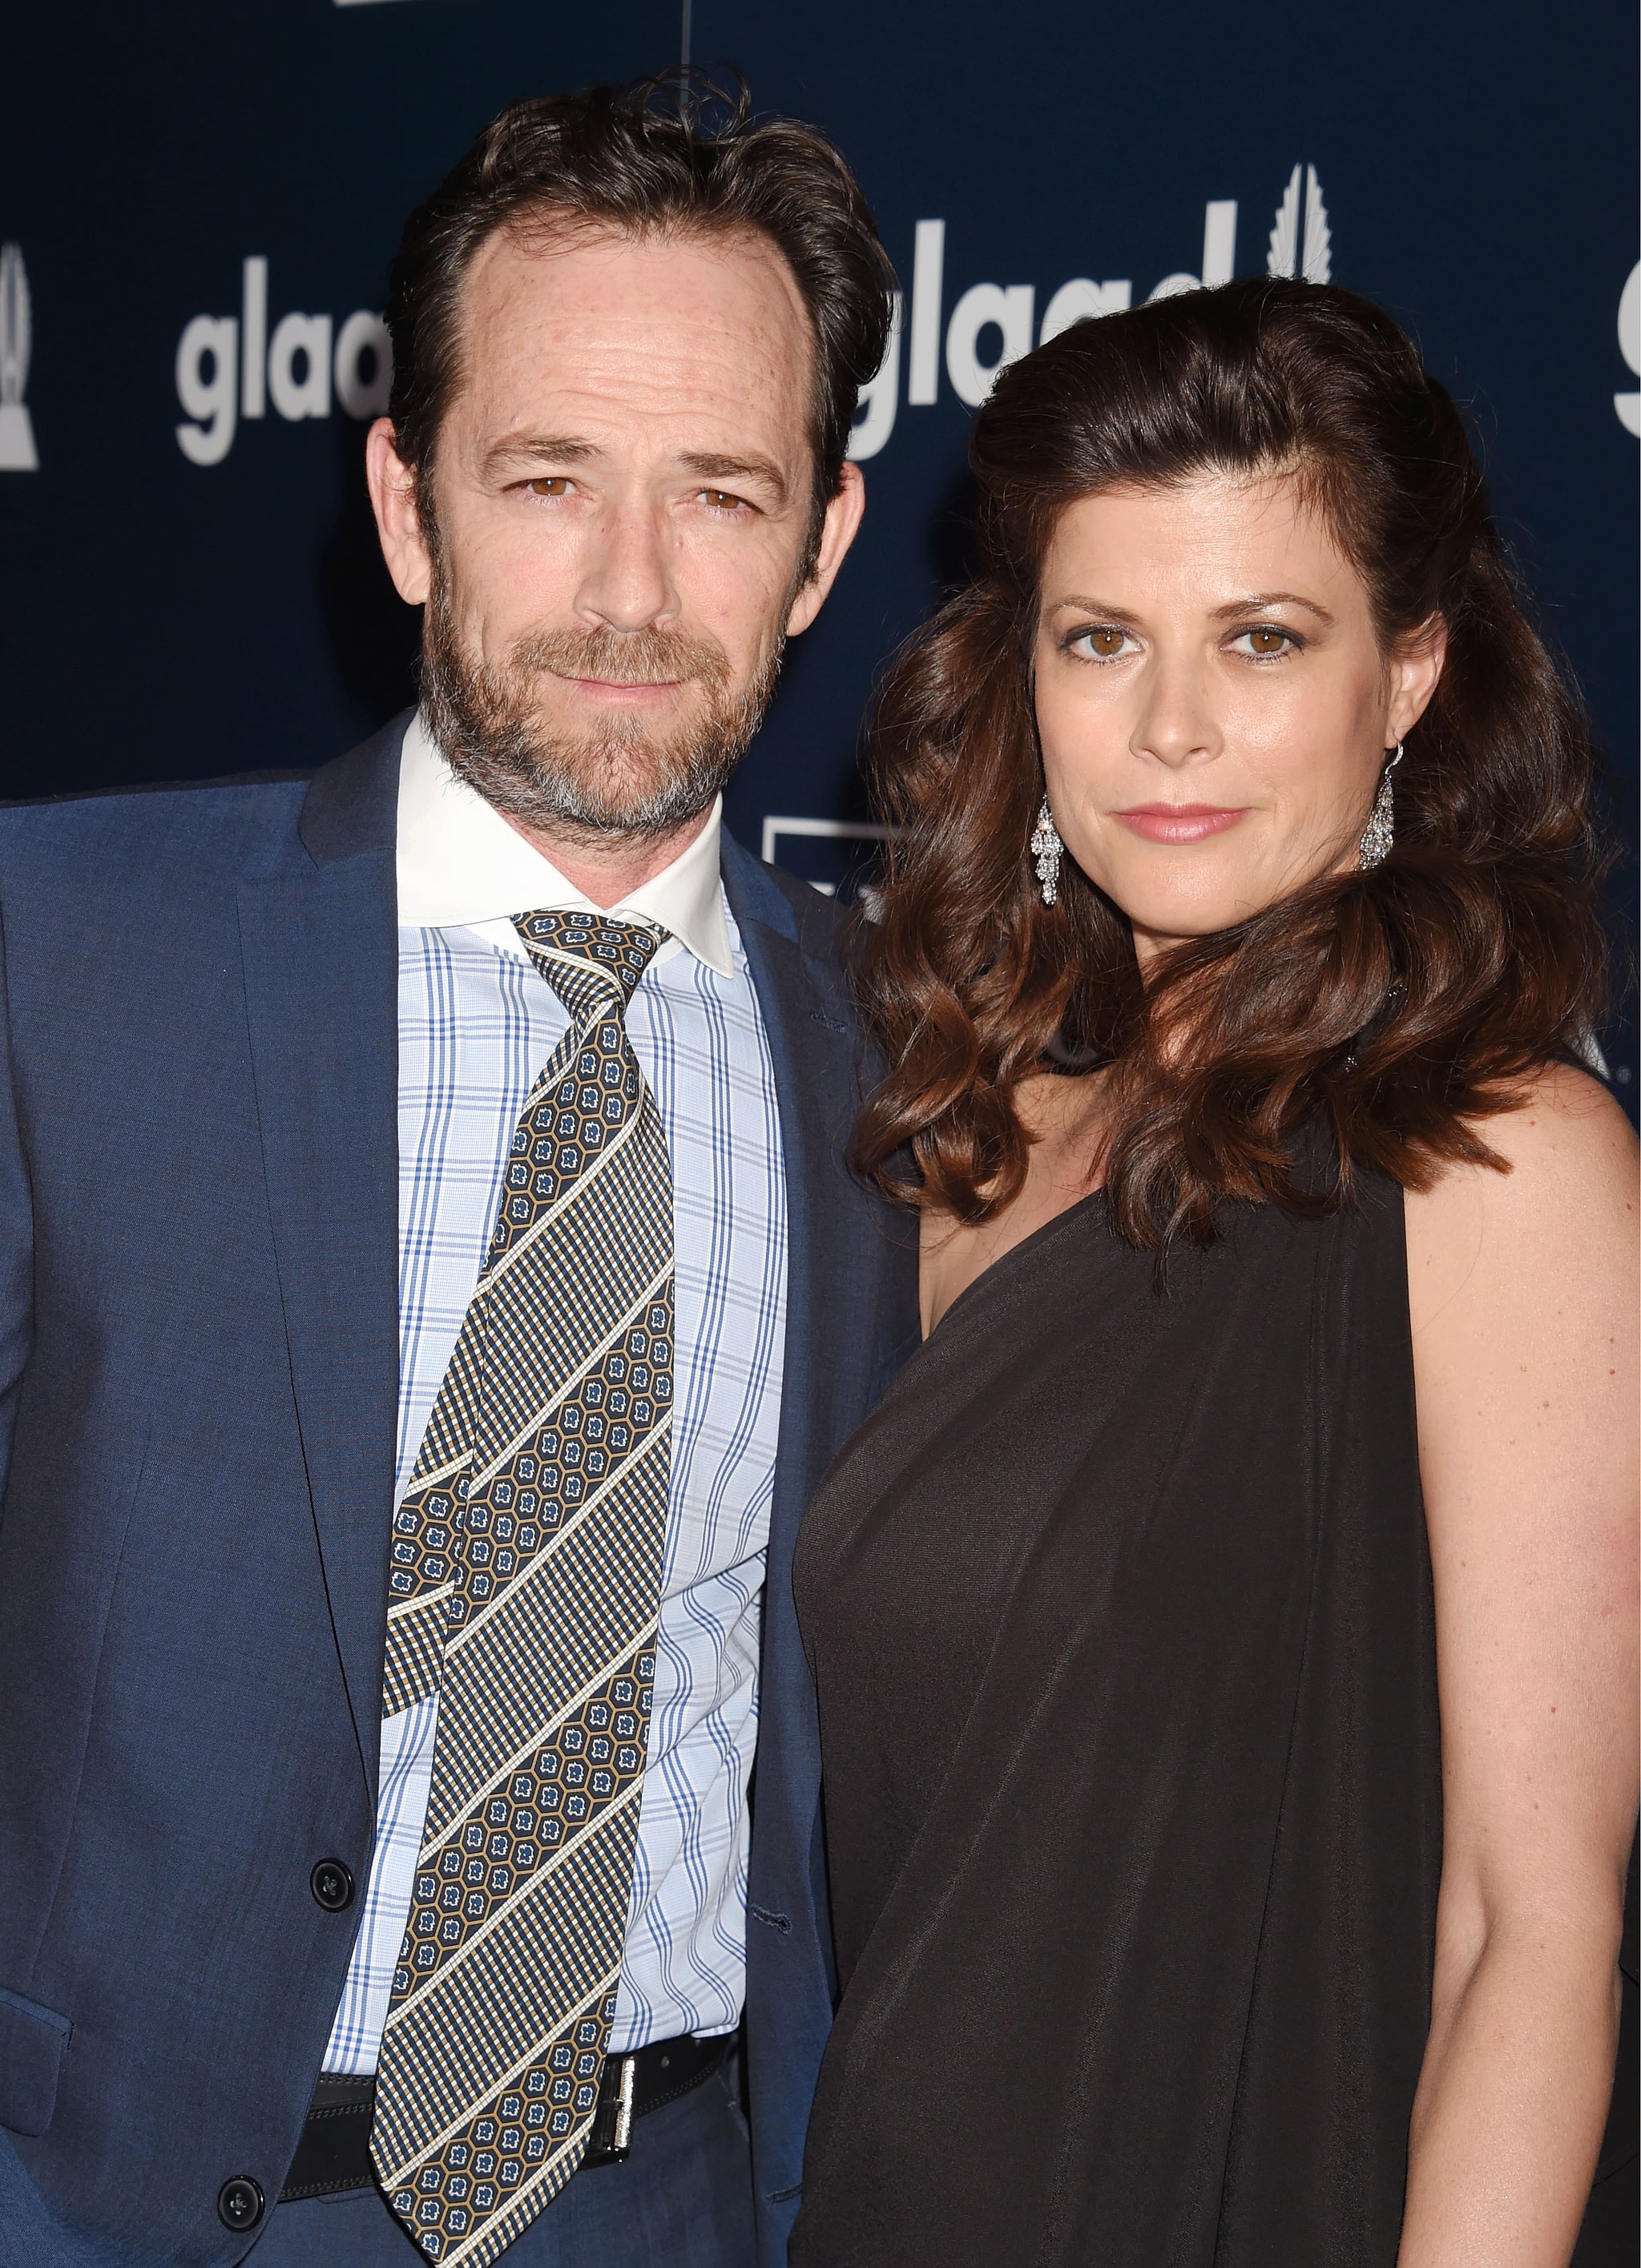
(1394, 1010)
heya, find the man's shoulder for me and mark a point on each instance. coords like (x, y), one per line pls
(236, 824)
(174, 823)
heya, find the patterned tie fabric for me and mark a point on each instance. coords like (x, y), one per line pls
(525, 1588)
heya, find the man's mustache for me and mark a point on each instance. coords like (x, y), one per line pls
(646, 656)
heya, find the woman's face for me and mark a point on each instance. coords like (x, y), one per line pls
(1213, 705)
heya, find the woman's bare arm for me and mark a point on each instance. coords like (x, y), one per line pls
(1523, 1297)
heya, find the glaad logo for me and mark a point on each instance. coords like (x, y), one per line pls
(1300, 245)
(1312, 257)
(228, 368)
(16, 432)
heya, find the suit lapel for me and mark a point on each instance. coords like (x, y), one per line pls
(812, 1046)
(320, 952)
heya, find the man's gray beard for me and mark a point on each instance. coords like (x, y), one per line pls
(619, 780)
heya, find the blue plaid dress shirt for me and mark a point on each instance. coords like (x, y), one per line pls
(475, 1024)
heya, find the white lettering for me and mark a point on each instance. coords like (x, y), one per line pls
(928, 266)
(1080, 297)
(209, 401)
(309, 395)
(1220, 242)
(227, 369)
(981, 304)
(363, 337)
(253, 308)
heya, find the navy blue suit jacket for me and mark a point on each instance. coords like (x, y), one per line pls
(198, 1388)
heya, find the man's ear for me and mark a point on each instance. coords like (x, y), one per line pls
(838, 531)
(393, 486)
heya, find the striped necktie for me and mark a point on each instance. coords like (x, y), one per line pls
(525, 1585)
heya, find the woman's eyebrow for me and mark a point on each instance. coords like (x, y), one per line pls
(1106, 612)
(1263, 599)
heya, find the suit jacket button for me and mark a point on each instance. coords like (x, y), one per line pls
(239, 2203)
(332, 1885)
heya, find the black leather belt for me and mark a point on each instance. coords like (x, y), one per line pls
(334, 2152)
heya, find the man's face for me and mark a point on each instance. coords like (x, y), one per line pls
(612, 536)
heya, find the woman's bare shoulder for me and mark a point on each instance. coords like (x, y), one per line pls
(1563, 1209)
(1566, 1120)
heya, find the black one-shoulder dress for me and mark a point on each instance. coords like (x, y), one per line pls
(1120, 1617)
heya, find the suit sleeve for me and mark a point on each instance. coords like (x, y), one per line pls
(31, 2235)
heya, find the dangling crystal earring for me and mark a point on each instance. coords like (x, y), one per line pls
(1046, 847)
(1381, 831)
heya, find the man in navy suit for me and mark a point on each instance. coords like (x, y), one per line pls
(431, 1283)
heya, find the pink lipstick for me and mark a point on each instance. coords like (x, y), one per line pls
(1178, 822)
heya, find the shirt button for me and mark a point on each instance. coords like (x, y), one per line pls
(239, 2203)
(332, 1885)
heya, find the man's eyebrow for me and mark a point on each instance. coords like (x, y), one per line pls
(711, 468)
(1261, 600)
(520, 449)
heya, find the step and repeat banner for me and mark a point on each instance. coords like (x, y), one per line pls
(198, 204)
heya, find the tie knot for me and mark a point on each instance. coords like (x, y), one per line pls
(586, 957)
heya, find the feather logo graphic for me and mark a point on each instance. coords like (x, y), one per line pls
(1306, 251)
(17, 433)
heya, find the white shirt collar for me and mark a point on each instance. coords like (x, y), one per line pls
(462, 866)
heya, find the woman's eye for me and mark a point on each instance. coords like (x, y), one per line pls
(1266, 639)
(1103, 643)
(551, 484)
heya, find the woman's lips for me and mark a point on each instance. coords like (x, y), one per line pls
(1178, 822)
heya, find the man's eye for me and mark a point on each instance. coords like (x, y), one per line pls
(552, 484)
(721, 500)
(1103, 643)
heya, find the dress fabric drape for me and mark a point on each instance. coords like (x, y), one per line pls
(1120, 1617)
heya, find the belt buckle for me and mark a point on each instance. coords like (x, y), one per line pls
(610, 2143)
(622, 2142)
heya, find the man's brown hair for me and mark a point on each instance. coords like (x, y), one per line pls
(670, 155)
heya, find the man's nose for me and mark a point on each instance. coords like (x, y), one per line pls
(627, 582)
(1176, 725)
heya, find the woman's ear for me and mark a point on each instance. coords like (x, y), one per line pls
(1416, 668)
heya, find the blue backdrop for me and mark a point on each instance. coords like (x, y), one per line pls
(203, 199)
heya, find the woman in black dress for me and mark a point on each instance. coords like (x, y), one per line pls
(1225, 1631)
